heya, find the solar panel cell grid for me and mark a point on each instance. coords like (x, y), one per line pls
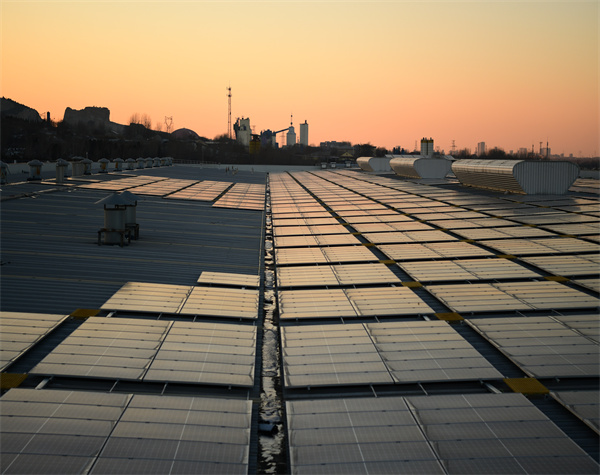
(469, 443)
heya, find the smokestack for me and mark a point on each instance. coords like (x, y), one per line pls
(48, 117)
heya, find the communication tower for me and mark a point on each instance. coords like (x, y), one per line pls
(169, 124)
(229, 113)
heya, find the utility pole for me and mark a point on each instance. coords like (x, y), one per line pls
(229, 114)
(169, 124)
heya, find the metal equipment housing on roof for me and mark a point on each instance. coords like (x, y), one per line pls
(517, 176)
(420, 167)
(374, 164)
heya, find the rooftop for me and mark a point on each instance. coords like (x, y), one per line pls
(298, 322)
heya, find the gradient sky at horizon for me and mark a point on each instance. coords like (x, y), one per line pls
(509, 73)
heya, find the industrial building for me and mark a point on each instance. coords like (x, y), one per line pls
(427, 147)
(243, 134)
(298, 322)
(304, 134)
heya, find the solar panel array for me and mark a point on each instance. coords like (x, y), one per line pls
(156, 350)
(20, 331)
(243, 196)
(121, 184)
(486, 433)
(543, 347)
(367, 268)
(379, 353)
(163, 187)
(184, 300)
(398, 255)
(48, 431)
(207, 190)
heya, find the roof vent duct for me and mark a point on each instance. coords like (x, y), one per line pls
(118, 164)
(103, 165)
(3, 173)
(130, 213)
(141, 162)
(61, 168)
(35, 170)
(87, 163)
(130, 163)
(115, 230)
(77, 166)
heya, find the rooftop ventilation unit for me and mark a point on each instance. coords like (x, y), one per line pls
(420, 167)
(149, 162)
(103, 165)
(77, 166)
(35, 170)
(141, 162)
(118, 164)
(517, 176)
(61, 168)
(130, 213)
(130, 163)
(87, 163)
(3, 173)
(374, 164)
(115, 230)
(156, 162)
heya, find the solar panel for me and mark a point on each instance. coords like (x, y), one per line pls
(522, 247)
(353, 354)
(584, 404)
(64, 429)
(466, 269)
(567, 265)
(146, 297)
(484, 438)
(312, 241)
(335, 275)
(404, 252)
(224, 278)
(511, 296)
(481, 234)
(387, 301)
(181, 432)
(206, 353)
(472, 223)
(162, 187)
(575, 229)
(21, 330)
(113, 339)
(553, 350)
(222, 302)
(317, 303)
(204, 191)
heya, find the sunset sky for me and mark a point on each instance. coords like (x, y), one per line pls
(510, 73)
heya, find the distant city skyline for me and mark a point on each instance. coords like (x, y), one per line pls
(510, 74)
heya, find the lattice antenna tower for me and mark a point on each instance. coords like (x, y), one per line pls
(229, 113)
(169, 124)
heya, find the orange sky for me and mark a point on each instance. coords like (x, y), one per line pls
(509, 73)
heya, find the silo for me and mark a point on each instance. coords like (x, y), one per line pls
(291, 137)
(304, 134)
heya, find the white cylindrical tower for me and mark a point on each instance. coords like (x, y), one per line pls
(291, 136)
(304, 134)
